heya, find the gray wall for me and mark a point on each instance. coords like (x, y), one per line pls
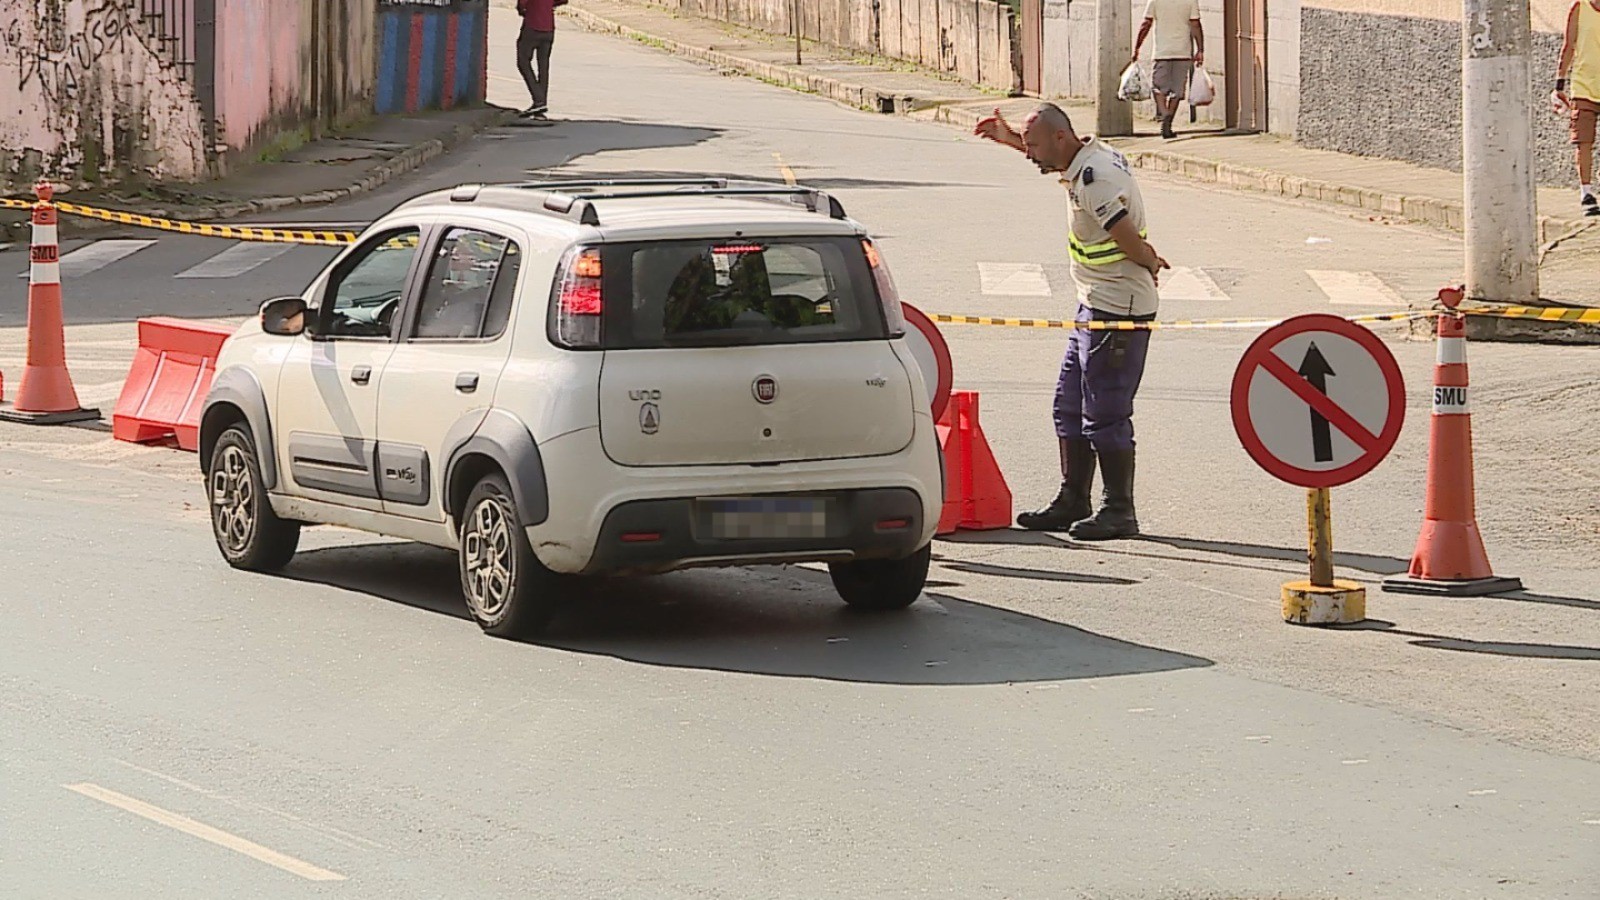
(1390, 86)
(970, 39)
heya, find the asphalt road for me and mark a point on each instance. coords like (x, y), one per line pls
(1123, 721)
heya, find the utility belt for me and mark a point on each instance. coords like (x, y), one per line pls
(1102, 254)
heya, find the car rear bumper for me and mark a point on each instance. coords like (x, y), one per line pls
(660, 535)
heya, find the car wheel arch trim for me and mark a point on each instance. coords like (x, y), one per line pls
(504, 439)
(238, 387)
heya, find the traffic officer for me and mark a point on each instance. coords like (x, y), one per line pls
(1116, 271)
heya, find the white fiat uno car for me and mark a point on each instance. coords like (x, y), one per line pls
(584, 378)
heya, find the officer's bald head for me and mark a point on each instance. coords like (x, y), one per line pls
(1049, 139)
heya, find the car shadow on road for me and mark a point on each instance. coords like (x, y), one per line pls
(1464, 645)
(766, 621)
(1361, 562)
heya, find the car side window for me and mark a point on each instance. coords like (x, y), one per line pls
(467, 295)
(364, 296)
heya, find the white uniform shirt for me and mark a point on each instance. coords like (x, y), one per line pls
(1102, 190)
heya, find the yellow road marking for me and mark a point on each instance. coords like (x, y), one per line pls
(788, 173)
(205, 832)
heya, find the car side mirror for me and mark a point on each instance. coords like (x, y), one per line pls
(284, 316)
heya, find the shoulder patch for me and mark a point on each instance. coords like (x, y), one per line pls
(1088, 175)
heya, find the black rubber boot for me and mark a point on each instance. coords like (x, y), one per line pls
(1116, 516)
(1072, 502)
(1166, 127)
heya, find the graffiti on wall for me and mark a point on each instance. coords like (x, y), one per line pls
(58, 60)
(87, 94)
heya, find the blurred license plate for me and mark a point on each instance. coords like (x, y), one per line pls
(739, 518)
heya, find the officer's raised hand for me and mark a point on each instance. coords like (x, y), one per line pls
(997, 129)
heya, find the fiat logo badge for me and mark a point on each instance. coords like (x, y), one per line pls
(765, 389)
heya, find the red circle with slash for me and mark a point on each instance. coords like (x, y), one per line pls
(1318, 401)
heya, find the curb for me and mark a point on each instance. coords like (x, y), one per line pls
(407, 161)
(855, 95)
(1446, 214)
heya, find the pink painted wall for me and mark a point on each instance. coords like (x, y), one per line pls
(261, 68)
(270, 53)
(85, 92)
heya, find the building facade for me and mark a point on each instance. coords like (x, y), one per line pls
(96, 91)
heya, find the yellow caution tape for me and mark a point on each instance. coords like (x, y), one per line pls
(234, 232)
(1576, 314)
(1178, 325)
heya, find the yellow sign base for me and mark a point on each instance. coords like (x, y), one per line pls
(1307, 604)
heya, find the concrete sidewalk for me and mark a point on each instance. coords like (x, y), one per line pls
(335, 167)
(1384, 190)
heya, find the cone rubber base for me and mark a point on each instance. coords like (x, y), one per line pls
(1304, 603)
(9, 413)
(1468, 587)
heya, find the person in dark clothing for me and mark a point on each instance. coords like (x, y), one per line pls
(534, 43)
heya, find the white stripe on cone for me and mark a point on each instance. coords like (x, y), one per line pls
(45, 272)
(1450, 401)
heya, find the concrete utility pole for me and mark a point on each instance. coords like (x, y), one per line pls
(1114, 44)
(1497, 152)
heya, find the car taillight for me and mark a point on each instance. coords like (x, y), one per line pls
(581, 302)
(887, 294)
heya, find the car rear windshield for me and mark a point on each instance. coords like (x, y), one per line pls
(738, 292)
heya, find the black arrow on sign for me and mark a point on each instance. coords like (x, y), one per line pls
(1315, 370)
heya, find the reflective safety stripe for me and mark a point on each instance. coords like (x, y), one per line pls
(1100, 254)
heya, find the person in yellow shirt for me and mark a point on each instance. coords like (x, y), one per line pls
(1578, 91)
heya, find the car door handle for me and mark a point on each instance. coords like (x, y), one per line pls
(466, 382)
(361, 374)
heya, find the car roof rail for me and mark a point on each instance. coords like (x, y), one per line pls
(586, 183)
(576, 198)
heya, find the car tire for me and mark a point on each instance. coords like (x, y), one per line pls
(508, 591)
(882, 584)
(249, 534)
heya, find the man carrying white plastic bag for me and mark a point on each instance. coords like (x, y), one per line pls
(1202, 90)
(1179, 45)
(1132, 87)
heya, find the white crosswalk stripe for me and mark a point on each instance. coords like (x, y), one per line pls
(236, 260)
(1184, 283)
(1013, 280)
(96, 256)
(1354, 288)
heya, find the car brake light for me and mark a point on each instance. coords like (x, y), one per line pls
(581, 302)
(873, 259)
(732, 249)
(888, 295)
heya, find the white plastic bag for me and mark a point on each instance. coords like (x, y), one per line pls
(1202, 91)
(1133, 85)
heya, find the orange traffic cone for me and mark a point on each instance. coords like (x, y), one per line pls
(45, 395)
(1450, 559)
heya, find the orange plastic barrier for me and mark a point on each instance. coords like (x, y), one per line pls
(975, 497)
(167, 384)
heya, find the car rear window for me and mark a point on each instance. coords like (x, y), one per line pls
(738, 292)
